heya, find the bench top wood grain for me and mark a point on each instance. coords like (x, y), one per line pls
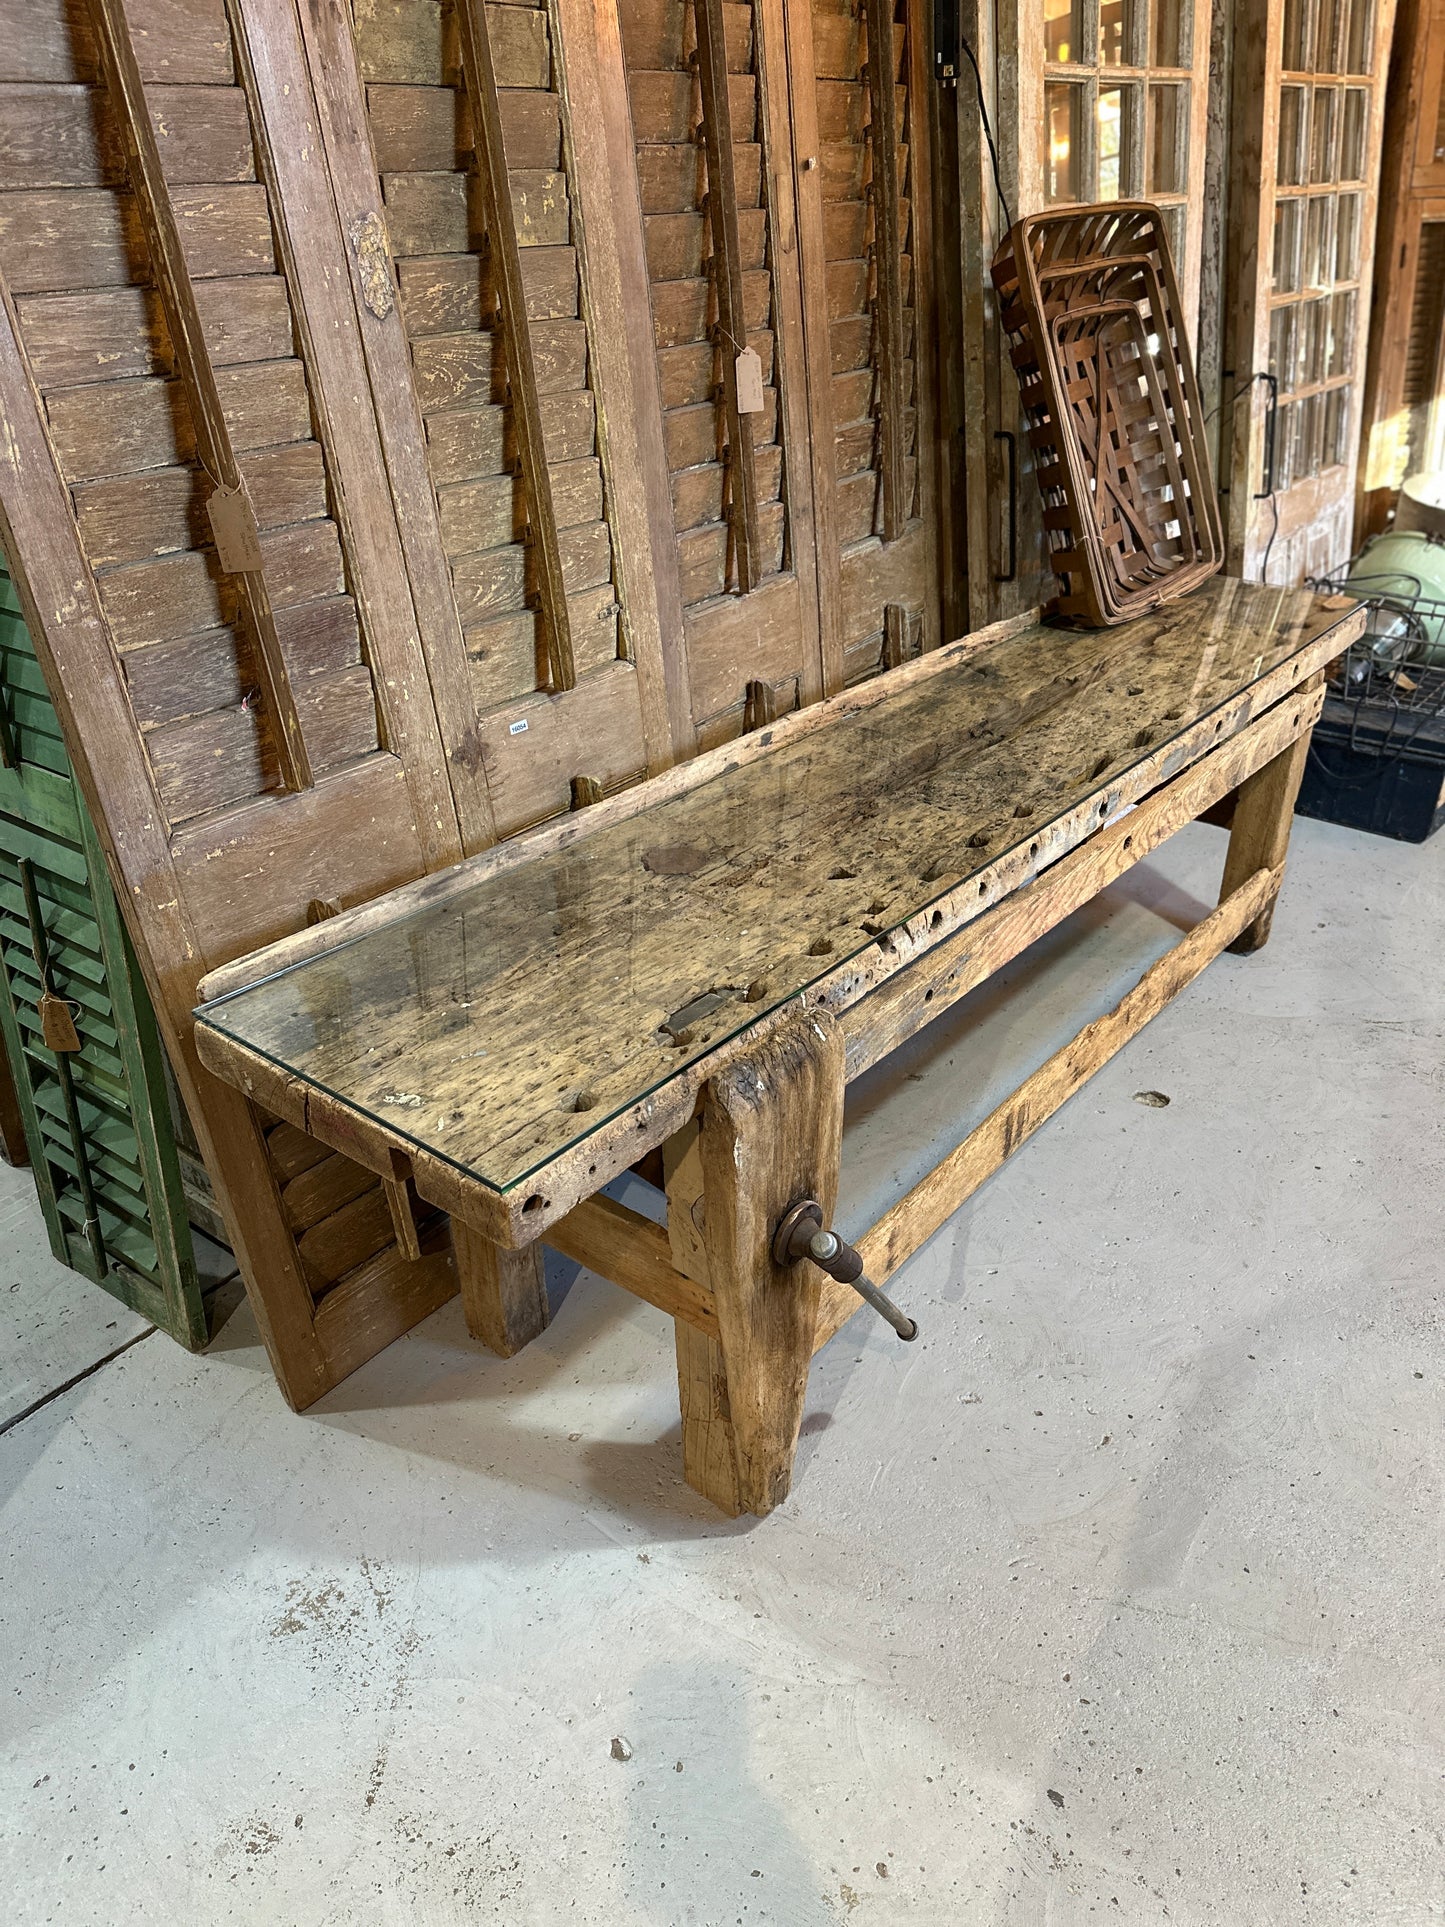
(498, 1015)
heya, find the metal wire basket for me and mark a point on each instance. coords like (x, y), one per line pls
(1388, 689)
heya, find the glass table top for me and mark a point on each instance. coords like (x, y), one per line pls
(509, 1021)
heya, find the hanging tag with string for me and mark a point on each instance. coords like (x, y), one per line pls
(233, 526)
(57, 1023)
(748, 377)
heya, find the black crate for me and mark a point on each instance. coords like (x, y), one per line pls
(1368, 774)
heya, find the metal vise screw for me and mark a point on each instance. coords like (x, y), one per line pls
(801, 1234)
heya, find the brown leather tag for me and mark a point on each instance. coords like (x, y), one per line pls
(57, 1026)
(233, 524)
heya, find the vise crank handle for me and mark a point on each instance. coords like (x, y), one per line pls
(801, 1234)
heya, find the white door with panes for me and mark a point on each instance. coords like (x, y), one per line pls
(1095, 100)
(1308, 92)
(1118, 79)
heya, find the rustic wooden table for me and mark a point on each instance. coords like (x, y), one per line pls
(698, 965)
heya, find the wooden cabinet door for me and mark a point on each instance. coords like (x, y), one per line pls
(1308, 111)
(805, 547)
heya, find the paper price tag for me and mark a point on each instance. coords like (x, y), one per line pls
(233, 524)
(57, 1026)
(750, 382)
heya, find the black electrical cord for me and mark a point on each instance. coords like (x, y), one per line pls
(1008, 219)
(1264, 564)
(1269, 495)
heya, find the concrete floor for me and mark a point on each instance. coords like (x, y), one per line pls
(1118, 1596)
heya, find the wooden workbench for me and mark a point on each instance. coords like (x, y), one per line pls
(699, 965)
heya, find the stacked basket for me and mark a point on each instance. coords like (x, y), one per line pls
(1090, 304)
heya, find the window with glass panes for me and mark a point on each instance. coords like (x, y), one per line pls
(1314, 303)
(1117, 103)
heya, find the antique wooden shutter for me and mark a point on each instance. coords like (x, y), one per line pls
(784, 192)
(1307, 116)
(463, 164)
(707, 87)
(1404, 426)
(863, 102)
(97, 1119)
(158, 339)
(79, 251)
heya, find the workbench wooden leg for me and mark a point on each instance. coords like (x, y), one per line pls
(504, 1295)
(708, 1461)
(1259, 838)
(772, 1130)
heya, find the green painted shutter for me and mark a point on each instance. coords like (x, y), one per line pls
(139, 1246)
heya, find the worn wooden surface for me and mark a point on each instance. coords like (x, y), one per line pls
(837, 855)
(670, 1269)
(772, 1130)
(897, 1006)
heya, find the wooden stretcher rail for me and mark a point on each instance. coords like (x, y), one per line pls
(634, 1252)
(480, 77)
(193, 362)
(929, 1205)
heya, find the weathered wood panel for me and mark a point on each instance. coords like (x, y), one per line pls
(111, 333)
(176, 40)
(514, 542)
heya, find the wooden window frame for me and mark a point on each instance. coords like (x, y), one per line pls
(1260, 78)
(1093, 76)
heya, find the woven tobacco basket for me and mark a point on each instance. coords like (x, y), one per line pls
(1090, 303)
